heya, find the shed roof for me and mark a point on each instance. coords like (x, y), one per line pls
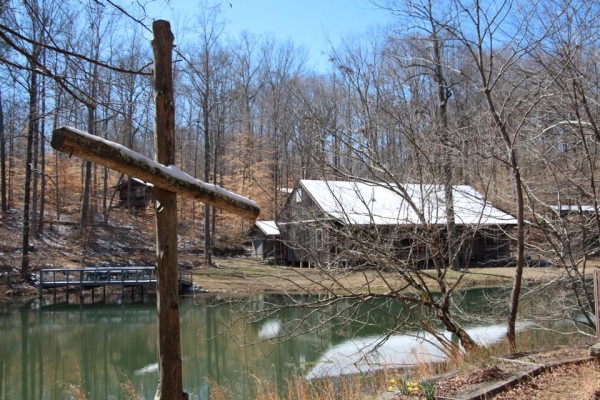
(134, 180)
(574, 208)
(358, 203)
(269, 228)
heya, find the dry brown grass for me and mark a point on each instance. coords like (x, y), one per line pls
(218, 392)
(298, 388)
(130, 391)
(75, 391)
(249, 275)
(571, 381)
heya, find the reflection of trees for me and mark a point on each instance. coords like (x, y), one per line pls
(101, 347)
(307, 331)
(24, 352)
(219, 347)
(98, 348)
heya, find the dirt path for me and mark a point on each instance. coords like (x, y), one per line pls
(565, 373)
(570, 381)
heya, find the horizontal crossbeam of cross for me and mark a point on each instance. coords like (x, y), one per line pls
(115, 156)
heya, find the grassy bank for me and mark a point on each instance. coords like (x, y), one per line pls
(245, 275)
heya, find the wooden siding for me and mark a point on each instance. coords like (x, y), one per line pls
(140, 195)
(309, 237)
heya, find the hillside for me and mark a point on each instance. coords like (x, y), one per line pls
(127, 240)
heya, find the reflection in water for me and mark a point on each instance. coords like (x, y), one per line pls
(101, 347)
(148, 369)
(367, 354)
(270, 329)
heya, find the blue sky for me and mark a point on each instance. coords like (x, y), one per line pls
(308, 23)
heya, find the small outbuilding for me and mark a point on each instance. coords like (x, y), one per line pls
(265, 240)
(135, 193)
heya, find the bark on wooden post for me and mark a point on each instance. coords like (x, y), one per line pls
(170, 380)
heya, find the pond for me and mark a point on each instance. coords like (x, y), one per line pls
(105, 346)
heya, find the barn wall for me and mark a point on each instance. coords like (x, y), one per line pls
(307, 237)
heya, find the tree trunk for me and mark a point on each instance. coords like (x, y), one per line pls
(35, 175)
(105, 194)
(42, 163)
(57, 185)
(520, 205)
(170, 383)
(465, 339)
(55, 119)
(516, 290)
(207, 155)
(91, 126)
(443, 95)
(85, 203)
(31, 128)
(105, 175)
(129, 125)
(3, 182)
(40, 220)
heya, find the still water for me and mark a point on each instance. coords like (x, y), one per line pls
(102, 347)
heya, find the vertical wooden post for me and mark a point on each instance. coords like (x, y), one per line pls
(170, 380)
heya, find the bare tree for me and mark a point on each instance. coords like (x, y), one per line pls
(97, 27)
(371, 77)
(479, 31)
(42, 156)
(204, 76)
(565, 208)
(3, 182)
(32, 128)
(276, 104)
(128, 99)
(432, 23)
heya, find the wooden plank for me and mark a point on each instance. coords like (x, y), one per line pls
(115, 156)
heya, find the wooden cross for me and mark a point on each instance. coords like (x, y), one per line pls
(168, 181)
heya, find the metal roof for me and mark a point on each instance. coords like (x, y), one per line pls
(358, 203)
(269, 228)
(574, 208)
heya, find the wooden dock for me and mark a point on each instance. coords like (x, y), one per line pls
(91, 278)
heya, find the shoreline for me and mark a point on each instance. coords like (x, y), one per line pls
(245, 276)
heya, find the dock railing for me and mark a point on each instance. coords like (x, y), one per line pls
(85, 278)
(185, 278)
(57, 277)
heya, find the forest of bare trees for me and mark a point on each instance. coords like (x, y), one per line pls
(500, 95)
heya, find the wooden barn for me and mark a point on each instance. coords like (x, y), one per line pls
(336, 221)
(135, 193)
(580, 221)
(265, 240)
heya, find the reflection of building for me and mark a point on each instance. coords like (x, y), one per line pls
(360, 355)
(135, 193)
(333, 221)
